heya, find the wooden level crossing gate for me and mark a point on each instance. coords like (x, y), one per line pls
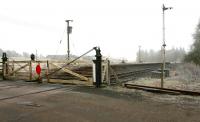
(74, 73)
(22, 70)
(26, 70)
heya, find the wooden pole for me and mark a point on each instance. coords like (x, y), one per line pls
(7, 67)
(13, 67)
(48, 80)
(4, 70)
(4, 60)
(108, 71)
(30, 70)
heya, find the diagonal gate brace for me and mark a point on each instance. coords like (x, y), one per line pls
(73, 73)
(22, 67)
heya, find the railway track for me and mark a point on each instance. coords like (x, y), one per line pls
(124, 72)
(161, 90)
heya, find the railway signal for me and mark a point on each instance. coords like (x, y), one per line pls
(164, 44)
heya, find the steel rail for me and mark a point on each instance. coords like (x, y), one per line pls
(31, 93)
(161, 90)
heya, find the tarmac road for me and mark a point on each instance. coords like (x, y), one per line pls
(33, 102)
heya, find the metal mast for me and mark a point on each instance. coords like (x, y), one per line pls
(69, 30)
(164, 44)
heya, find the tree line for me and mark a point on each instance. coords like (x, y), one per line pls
(175, 54)
(193, 55)
(12, 53)
(172, 55)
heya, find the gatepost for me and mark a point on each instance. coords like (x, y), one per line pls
(97, 62)
(4, 69)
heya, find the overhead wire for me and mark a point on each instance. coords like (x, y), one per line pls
(60, 41)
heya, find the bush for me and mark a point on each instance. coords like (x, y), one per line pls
(189, 72)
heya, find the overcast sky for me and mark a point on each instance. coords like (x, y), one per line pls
(117, 26)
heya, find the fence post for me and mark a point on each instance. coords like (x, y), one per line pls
(108, 71)
(4, 70)
(13, 67)
(48, 80)
(98, 67)
(7, 67)
(30, 70)
(4, 63)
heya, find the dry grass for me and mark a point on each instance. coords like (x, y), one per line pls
(184, 76)
(188, 73)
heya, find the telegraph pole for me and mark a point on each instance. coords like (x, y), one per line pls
(164, 44)
(69, 30)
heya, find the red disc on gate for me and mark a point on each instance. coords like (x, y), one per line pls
(38, 69)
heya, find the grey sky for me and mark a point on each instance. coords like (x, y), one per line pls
(117, 26)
